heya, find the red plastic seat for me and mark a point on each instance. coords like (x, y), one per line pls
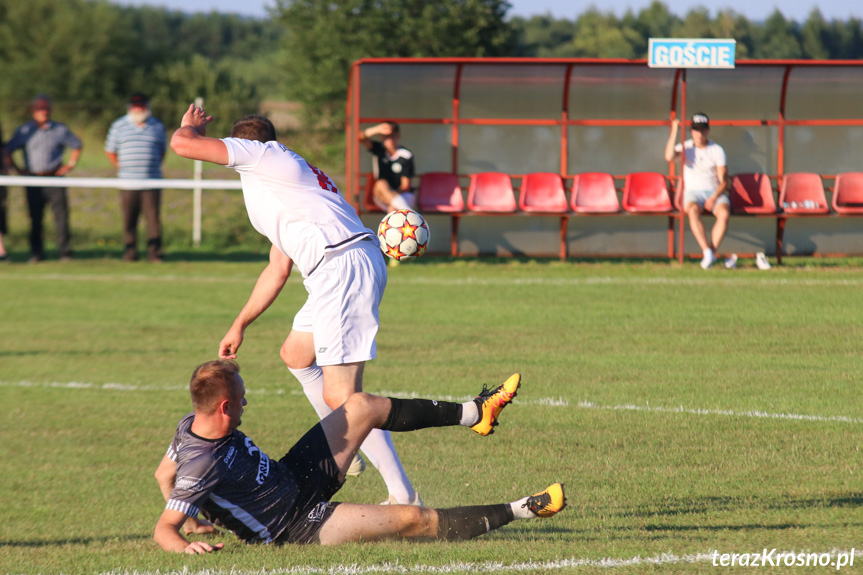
(490, 192)
(752, 194)
(440, 192)
(542, 192)
(594, 193)
(646, 192)
(848, 193)
(803, 193)
(369, 204)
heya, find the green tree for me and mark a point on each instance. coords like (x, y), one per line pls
(323, 38)
(226, 97)
(816, 36)
(543, 37)
(72, 50)
(778, 38)
(601, 35)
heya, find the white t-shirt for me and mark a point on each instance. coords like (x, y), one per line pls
(294, 204)
(700, 165)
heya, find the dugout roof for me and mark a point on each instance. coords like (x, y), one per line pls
(467, 115)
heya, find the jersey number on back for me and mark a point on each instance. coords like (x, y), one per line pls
(323, 180)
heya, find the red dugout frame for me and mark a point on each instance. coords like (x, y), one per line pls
(677, 99)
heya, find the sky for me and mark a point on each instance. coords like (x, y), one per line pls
(756, 10)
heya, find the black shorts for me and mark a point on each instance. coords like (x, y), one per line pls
(311, 461)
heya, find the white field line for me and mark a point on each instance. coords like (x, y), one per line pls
(542, 401)
(469, 567)
(790, 279)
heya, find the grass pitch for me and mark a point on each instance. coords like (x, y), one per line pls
(686, 411)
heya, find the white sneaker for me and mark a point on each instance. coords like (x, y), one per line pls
(761, 261)
(731, 262)
(417, 501)
(708, 260)
(358, 465)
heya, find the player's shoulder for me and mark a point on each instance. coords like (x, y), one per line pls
(404, 153)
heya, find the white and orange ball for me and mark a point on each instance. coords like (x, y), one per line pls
(403, 234)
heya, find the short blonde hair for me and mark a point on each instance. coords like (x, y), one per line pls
(211, 383)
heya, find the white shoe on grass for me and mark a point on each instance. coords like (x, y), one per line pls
(731, 262)
(761, 261)
(708, 260)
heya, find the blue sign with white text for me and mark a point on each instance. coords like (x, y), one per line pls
(690, 53)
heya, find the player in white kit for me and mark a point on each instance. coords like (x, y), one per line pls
(313, 228)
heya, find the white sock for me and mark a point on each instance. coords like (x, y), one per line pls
(469, 414)
(707, 252)
(378, 446)
(380, 451)
(399, 203)
(520, 510)
(312, 380)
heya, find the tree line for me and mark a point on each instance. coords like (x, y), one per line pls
(91, 54)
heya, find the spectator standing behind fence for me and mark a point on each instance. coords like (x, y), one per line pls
(705, 180)
(393, 167)
(4, 257)
(136, 145)
(44, 144)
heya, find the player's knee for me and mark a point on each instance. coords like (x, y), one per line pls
(367, 408)
(293, 359)
(418, 521)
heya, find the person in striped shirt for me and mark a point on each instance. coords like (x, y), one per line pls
(136, 145)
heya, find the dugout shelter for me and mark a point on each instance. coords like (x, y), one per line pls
(571, 117)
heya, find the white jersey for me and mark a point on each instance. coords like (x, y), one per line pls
(700, 165)
(293, 203)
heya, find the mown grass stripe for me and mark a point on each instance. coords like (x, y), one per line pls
(481, 567)
(542, 401)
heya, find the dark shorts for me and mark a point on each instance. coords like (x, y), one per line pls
(311, 461)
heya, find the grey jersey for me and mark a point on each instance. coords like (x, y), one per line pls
(232, 482)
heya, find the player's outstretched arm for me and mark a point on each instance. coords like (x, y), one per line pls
(167, 535)
(166, 476)
(190, 140)
(266, 290)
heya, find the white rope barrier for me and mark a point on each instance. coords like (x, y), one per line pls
(119, 183)
(196, 185)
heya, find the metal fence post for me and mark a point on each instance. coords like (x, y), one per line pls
(197, 195)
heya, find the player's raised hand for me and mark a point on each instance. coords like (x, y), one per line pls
(199, 548)
(384, 129)
(675, 124)
(197, 119)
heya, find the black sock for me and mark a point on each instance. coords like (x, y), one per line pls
(461, 523)
(411, 414)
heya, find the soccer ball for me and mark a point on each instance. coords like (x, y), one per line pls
(403, 234)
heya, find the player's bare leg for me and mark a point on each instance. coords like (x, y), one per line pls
(697, 227)
(383, 192)
(298, 353)
(722, 212)
(353, 522)
(340, 383)
(389, 197)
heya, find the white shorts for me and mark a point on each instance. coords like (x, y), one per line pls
(341, 311)
(701, 196)
(409, 197)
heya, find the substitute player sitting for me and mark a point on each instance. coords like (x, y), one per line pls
(213, 468)
(705, 181)
(393, 167)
